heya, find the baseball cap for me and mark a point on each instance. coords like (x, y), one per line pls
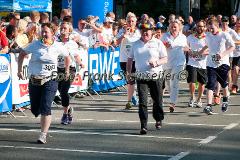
(109, 19)
(161, 17)
(225, 19)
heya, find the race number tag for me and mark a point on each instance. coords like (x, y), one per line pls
(215, 60)
(197, 56)
(237, 48)
(49, 67)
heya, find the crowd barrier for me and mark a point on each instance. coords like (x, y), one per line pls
(101, 73)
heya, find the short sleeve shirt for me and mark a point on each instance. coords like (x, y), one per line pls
(196, 45)
(176, 56)
(142, 53)
(44, 59)
(218, 44)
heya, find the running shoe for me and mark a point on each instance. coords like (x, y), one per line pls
(158, 125)
(224, 106)
(208, 110)
(42, 138)
(191, 102)
(64, 119)
(128, 105)
(143, 131)
(198, 104)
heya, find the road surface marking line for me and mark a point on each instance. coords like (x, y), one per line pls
(86, 151)
(208, 139)
(189, 124)
(230, 126)
(101, 134)
(179, 156)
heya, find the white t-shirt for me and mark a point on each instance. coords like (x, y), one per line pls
(143, 53)
(234, 36)
(176, 56)
(106, 36)
(196, 45)
(236, 52)
(44, 59)
(126, 43)
(218, 44)
(84, 35)
(72, 48)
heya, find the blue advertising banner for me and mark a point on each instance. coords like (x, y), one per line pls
(5, 84)
(104, 69)
(83, 8)
(30, 5)
(26, 5)
(6, 5)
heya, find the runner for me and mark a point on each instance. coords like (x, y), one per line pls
(220, 45)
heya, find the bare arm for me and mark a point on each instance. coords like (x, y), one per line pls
(79, 60)
(67, 61)
(4, 50)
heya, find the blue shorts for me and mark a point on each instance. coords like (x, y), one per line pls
(41, 97)
(219, 74)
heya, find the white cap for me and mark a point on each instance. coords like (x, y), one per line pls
(162, 17)
(109, 19)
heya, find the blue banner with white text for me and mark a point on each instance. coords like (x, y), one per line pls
(5, 84)
(104, 69)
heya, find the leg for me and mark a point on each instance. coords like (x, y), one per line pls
(191, 80)
(143, 97)
(212, 79)
(156, 93)
(35, 98)
(222, 74)
(174, 83)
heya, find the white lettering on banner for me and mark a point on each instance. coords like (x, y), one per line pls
(115, 65)
(4, 69)
(107, 65)
(70, 4)
(106, 5)
(93, 57)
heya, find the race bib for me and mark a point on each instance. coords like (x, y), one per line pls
(237, 48)
(215, 60)
(49, 67)
(128, 49)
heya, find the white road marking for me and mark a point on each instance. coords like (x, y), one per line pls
(208, 139)
(101, 134)
(179, 156)
(230, 126)
(150, 122)
(86, 151)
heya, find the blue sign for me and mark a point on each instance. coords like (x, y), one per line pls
(30, 5)
(26, 5)
(5, 84)
(83, 8)
(104, 69)
(6, 5)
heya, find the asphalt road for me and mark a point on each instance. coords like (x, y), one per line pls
(102, 130)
